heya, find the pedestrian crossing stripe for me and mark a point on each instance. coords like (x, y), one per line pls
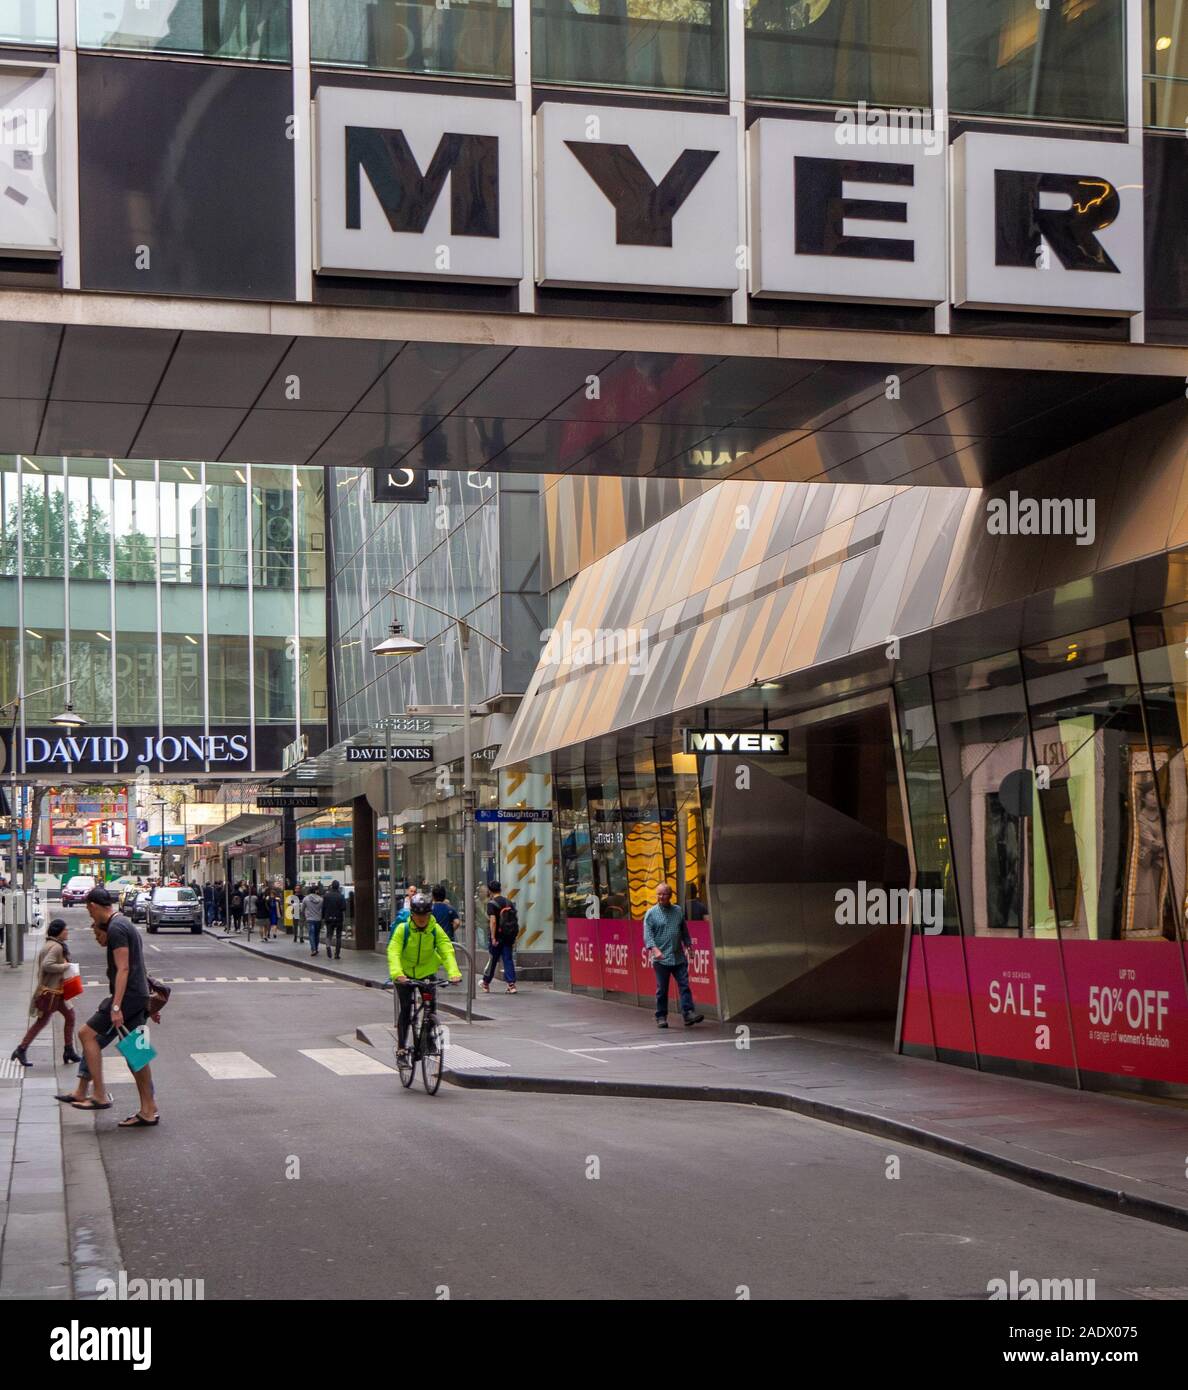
(231, 1066)
(345, 1061)
(238, 980)
(342, 1061)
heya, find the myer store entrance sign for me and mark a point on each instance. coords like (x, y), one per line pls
(709, 742)
(634, 198)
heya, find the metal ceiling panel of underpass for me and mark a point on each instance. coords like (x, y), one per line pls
(113, 391)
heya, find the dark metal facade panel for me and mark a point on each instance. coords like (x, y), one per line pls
(191, 162)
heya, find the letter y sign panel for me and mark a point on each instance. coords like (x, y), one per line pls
(650, 204)
(418, 186)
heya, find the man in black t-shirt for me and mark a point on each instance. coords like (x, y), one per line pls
(126, 1008)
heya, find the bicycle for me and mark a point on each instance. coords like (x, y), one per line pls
(427, 1041)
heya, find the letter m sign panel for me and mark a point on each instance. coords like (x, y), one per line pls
(421, 186)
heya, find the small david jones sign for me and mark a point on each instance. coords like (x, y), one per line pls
(760, 743)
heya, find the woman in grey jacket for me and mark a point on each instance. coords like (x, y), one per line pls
(53, 960)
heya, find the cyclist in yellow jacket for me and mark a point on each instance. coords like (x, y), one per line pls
(417, 950)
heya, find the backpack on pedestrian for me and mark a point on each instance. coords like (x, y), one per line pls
(508, 924)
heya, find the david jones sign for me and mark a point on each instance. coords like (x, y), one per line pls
(628, 198)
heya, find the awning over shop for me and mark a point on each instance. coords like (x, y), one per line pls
(856, 586)
(238, 828)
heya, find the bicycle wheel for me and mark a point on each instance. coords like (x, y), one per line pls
(432, 1054)
(407, 1065)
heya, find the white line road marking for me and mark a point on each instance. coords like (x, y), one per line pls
(463, 1059)
(345, 1061)
(700, 1042)
(115, 1070)
(553, 1048)
(154, 948)
(231, 1066)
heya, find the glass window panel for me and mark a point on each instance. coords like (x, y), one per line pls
(256, 29)
(274, 617)
(180, 523)
(43, 532)
(88, 492)
(1062, 62)
(608, 852)
(1101, 812)
(920, 752)
(996, 838)
(877, 51)
(639, 812)
(465, 38)
(134, 532)
(9, 534)
(645, 45)
(29, 21)
(1162, 642)
(1165, 64)
(225, 495)
(228, 674)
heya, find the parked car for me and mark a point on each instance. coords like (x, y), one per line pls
(174, 907)
(77, 889)
(137, 909)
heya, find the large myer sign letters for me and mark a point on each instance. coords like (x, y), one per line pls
(635, 198)
(1047, 224)
(418, 186)
(625, 203)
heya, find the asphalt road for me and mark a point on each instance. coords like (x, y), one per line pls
(306, 1183)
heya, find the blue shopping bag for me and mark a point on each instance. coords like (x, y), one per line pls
(135, 1047)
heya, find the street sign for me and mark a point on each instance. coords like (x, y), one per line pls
(511, 816)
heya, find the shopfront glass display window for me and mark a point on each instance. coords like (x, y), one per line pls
(1099, 805)
(997, 837)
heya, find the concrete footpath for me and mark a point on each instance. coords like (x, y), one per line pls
(57, 1238)
(1127, 1155)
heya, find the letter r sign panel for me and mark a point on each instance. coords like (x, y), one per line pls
(636, 199)
(865, 219)
(1047, 224)
(418, 186)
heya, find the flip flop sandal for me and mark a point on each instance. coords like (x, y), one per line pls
(67, 1096)
(91, 1105)
(138, 1121)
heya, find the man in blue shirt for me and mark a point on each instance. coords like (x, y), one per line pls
(447, 918)
(665, 939)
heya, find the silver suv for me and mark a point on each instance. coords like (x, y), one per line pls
(175, 907)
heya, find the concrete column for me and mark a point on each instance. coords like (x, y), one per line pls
(363, 868)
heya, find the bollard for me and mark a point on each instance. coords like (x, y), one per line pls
(14, 929)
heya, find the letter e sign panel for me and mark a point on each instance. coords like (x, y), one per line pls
(865, 220)
(419, 186)
(636, 199)
(1047, 224)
